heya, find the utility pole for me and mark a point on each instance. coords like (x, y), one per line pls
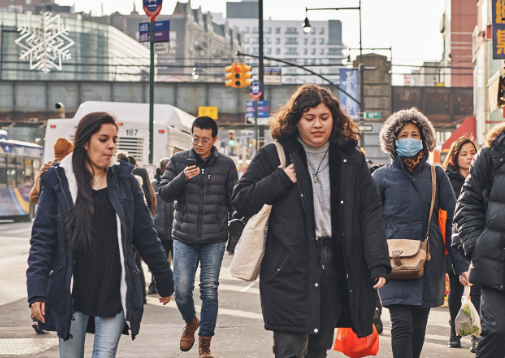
(151, 94)
(261, 70)
(361, 81)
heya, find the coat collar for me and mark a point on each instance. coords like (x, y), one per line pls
(292, 145)
(212, 158)
(116, 168)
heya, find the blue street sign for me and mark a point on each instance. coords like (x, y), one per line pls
(152, 5)
(249, 114)
(263, 114)
(161, 31)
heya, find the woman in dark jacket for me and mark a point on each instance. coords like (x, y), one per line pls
(325, 254)
(457, 166)
(405, 187)
(81, 275)
(480, 220)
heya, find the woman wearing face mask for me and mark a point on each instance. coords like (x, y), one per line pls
(405, 187)
(457, 167)
(325, 252)
(82, 274)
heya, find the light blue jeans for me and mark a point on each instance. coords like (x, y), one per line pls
(107, 334)
(186, 259)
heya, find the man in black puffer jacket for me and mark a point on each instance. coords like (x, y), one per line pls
(480, 218)
(202, 195)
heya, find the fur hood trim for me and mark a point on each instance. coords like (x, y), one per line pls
(494, 133)
(395, 123)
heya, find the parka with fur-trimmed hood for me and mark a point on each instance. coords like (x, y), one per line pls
(480, 213)
(406, 198)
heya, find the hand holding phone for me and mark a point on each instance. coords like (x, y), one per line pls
(191, 170)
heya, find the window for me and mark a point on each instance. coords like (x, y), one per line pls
(255, 30)
(313, 31)
(278, 40)
(321, 51)
(291, 41)
(269, 51)
(3, 177)
(292, 51)
(269, 30)
(246, 40)
(313, 51)
(255, 50)
(268, 41)
(305, 51)
(305, 41)
(321, 31)
(313, 41)
(246, 30)
(321, 41)
(11, 177)
(29, 2)
(277, 30)
(291, 30)
(277, 51)
(254, 40)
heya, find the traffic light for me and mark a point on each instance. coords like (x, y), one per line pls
(231, 138)
(245, 74)
(232, 75)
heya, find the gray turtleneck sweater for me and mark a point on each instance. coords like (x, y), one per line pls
(318, 160)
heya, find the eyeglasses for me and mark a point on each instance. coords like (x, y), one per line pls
(205, 142)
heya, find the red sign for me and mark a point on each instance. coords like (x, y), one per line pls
(256, 96)
(152, 10)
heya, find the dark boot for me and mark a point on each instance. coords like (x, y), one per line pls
(455, 340)
(188, 335)
(377, 321)
(205, 347)
(475, 344)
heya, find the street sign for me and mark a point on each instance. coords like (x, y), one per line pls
(161, 48)
(372, 115)
(207, 112)
(152, 8)
(365, 128)
(263, 110)
(255, 90)
(161, 31)
(272, 76)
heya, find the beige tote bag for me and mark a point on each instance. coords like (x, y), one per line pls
(250, 248)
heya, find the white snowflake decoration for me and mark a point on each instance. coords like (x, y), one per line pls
(45, 46)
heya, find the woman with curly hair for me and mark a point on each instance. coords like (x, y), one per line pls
(326, 252)
(406, 189)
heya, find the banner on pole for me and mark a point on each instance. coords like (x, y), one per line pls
(498, 29)
(349, 83)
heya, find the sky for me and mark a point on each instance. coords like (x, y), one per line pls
(411, 27)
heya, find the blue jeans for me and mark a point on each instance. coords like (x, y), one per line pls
(107, 334)
(186, 259)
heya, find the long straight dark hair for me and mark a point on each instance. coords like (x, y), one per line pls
(148, 189)
(79, 221)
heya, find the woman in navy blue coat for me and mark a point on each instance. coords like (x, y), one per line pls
(82, 274)
(405, 188)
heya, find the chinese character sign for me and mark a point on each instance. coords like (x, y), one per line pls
(349, 83)
(498, 29)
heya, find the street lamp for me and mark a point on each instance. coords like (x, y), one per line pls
(306, 24)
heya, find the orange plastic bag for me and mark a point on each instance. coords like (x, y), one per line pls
(348, 343)
(442, 221)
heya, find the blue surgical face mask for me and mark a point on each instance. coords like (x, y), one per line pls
(408, 147)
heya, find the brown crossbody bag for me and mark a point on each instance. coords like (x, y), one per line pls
(408, 257)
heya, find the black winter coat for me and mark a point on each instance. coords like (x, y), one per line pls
(202, 204)
(290, 294)
(164, 215)
(481, 230)
(457, 180)
(407, 200)
(51, 263)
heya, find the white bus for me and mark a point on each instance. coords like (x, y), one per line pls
(172, 129)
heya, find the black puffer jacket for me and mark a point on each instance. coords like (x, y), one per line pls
(202, 204)
(164, 216)
(290, 294)
(481, 230)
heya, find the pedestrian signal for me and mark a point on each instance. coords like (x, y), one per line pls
(231, 138)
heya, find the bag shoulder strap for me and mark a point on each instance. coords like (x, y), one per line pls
(282, 155)
(433, 195)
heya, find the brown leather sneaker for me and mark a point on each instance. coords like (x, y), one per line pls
(188, 334)
(205, 347)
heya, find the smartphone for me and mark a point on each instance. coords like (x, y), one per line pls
(190, 162)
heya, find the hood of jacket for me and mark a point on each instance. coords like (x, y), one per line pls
(395, 123)
(454, 174)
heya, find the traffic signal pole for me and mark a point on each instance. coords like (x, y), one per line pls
(151, 95)
(261, 71)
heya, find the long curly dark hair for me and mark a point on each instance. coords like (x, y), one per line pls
(309, 96)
